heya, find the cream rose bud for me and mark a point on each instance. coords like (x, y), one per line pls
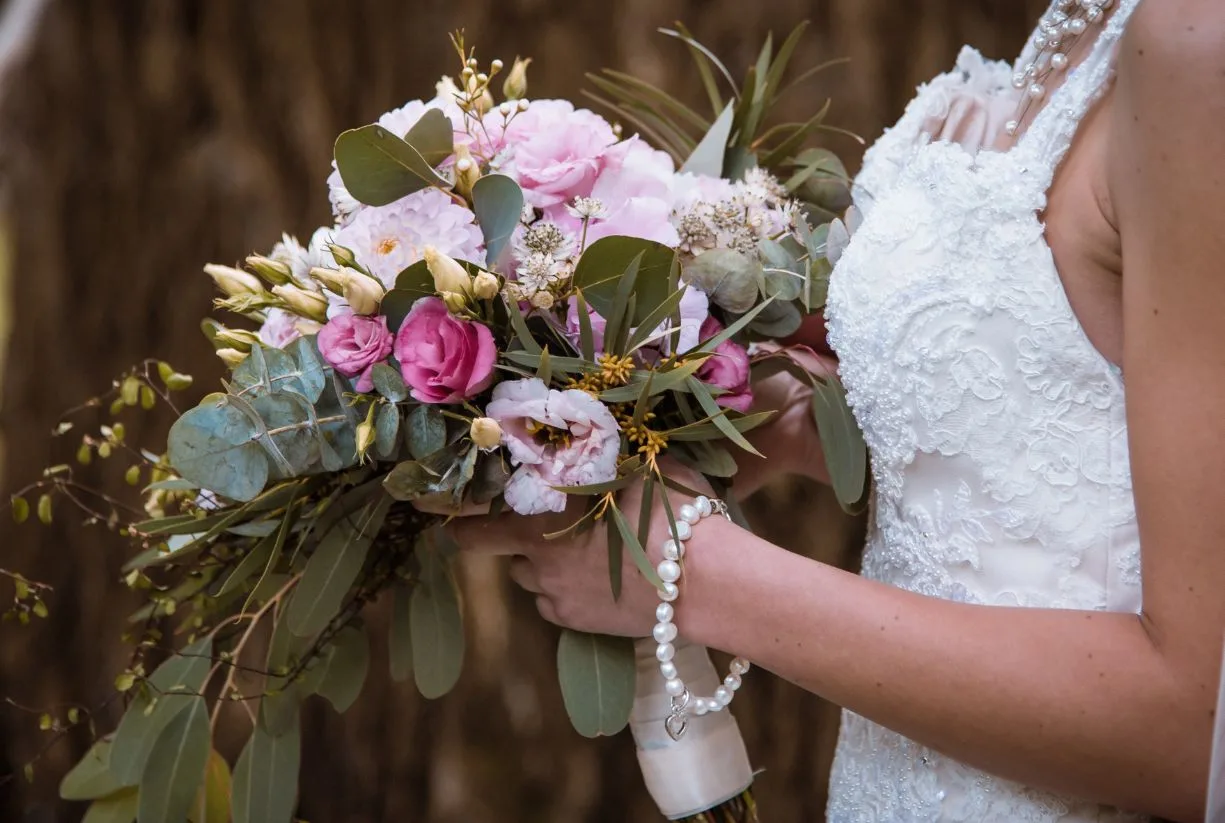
(455, 303)
(365, 438)
(239, 339)
(485, 433)
(448, 275)
(467, 171)
(485, 286)
(542, 300)
(362, 292)
(330, 279)
(515, 85)
(231, 357)
(234, 282)
(308, 304)
(274, 271)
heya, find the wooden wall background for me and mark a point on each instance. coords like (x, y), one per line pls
(139, 140)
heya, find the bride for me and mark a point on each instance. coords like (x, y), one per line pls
(1035, 238)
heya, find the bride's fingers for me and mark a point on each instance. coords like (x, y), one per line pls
(547, 610)
(523, 572)
(485, 535)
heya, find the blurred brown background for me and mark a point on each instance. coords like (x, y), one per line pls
(139, 140)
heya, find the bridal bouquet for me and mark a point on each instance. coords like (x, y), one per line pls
(519, 304)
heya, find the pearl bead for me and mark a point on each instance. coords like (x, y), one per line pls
(665, 652)
(689, 514)
(724, 695)
(702, 504)
(668, 670)
(1011, 127)
(674, 687)
(664, 612)
(1077, 25)
(664, 632)
(1059, 62)
(1094, 14)
(1018, 80)
(732, 681)
(740, 666)
(669, 571)
(683, 530)
(714, 705)
(673, 550)
(699, 707)
(1036, 91)
(670, 593)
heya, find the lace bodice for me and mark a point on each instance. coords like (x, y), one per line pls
(996, 429)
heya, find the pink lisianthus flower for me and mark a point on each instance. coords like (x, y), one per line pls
(279, 329)
(556, 438)
(553, 151)
(354, 344)
(727, 369)
(443, 358)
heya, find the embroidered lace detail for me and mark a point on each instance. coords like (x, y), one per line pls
(997, 431)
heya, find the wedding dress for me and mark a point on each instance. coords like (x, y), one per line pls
(996, 429)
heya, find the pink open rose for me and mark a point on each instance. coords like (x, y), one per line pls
(556, 438)
(727, 369)
(354, 344)
(444, 359)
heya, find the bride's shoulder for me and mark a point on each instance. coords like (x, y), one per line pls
(1176, 47)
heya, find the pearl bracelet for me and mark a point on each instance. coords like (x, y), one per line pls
(669, 569)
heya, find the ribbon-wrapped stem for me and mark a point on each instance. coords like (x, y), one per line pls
(704, 776)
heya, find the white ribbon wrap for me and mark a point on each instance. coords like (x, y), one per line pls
(709, 764)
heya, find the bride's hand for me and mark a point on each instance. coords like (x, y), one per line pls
(569, 575)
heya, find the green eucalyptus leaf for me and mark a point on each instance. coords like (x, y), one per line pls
(597, 681)
(90, 778)
(427, 431)
(379, 168)
(337, 423)
(637, 552)
(175, 770)
(347, 664)
(818, 283)
(311, 373)
(290, 438)
(170, 689)
(333, 568)
(718, 415)
(116, 808)
(387, 431)
(436, 626)
(782, 284)
(255, 560)
(433, 136)
(707, 158)
(490, 479)
(282, 701)
(846, 455)
(389, 383)
(214, 799)
(603, 266)
(266, 777)
(400, 643)
(497, 202)
(777, 320)
(214, 445)
(409, 481)
(730, 279)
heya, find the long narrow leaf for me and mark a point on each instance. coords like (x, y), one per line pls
(778, 68)
(638, 121)
(522, 332)
(653, 95)
(586, 337)
(685, 37)
(707, 401)
(615, 555)
(619, 313)
(638, 554)
(653, 320)
(735, 328)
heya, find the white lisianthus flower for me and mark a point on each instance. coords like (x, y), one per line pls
(388, 239)
(301, 259)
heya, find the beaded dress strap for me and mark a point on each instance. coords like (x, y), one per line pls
(1050, 134)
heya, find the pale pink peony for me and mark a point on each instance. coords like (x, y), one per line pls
(444, 359)
(388, 239)
(727, 369)
(354, 345)
(554, 151)
(522, 408)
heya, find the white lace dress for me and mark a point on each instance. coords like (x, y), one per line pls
(997, 430)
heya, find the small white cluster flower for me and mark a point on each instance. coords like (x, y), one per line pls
(542, 272)
(756, 208)
(587, 208)
(544, 237)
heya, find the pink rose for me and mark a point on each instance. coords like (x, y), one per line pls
(444, 359)
(727, 369)
(556, 438)
(354, 344)
(554, 151)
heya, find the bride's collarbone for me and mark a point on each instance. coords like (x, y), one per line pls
(1082, 233)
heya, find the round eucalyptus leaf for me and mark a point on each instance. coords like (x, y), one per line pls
(730, 279)
(497, 202)
(597, 681)
(214, 446)
(777, 320)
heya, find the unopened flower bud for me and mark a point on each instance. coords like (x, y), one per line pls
(542, 300)
(467, 172)
(365, 438)
(233, 282)
(485, 433)
(485, 286)
(515, 85)
(342, 255)
(239, 339)
(479, 98)
(455, 302)
(302, 302)
(495, 66)
(448, 275)
(362, 291)
(231, 357)
(273, 271)
(330, 279)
